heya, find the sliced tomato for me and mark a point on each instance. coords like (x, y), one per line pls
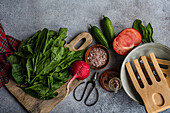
(126, 41)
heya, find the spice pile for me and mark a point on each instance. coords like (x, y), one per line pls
(97, 57)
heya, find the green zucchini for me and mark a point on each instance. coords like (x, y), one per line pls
(108, 29)
(97, 34)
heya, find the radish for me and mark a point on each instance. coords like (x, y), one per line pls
(81, 71)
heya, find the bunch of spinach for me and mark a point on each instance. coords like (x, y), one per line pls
(146, 33)
(41, 63)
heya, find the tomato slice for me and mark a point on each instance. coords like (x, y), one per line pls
(126, 41)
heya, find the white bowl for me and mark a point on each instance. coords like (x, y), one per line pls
(160, 51)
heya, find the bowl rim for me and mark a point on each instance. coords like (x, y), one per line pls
(100, 79)
(125, 60)
(88, 51)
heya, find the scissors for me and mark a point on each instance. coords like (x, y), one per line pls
(92, 81)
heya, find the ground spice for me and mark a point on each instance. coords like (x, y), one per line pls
(97, 57)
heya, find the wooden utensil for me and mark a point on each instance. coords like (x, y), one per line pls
(83, 35)
(34, 105)
(155, 96)
(165, 71)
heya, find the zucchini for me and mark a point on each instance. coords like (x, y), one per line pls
(97, 34)
(108, 29)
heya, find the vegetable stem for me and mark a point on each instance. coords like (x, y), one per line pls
(68, 85)
(90, 25)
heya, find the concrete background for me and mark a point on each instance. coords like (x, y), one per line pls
(21, 18)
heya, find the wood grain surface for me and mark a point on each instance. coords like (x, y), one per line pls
(156, 95)
(34, 105)
(84, 35)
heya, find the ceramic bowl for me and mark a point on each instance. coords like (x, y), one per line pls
(160, 51)
(97, 46)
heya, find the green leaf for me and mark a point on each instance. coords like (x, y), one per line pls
(63, 32)
(27, 48)
(39, 88)
(14, 59)
(33, 38)
(62, 76)
(53, 63)
(24, 55)
(17, 73)
(48, 43)
(146, 33)
(60, 39)
(29, 69)
(42, 63)
(58, 84)
(30, 92)
(35, 87)
(150, 32)
(57, 69)
(23, 42)
(136, 25)
(40, 41)
(52, 33)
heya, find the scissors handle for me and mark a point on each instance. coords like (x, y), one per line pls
(91, 89)
(82, 94)
(97, 94)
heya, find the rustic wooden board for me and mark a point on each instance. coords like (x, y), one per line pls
(34, 105)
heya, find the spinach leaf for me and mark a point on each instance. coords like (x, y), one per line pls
(30, 92)
(14, 59)
(24, 54)
(146, 33)
(33, 38)
(48, 42)
(150, 32)
(23, 42)
(42, 62)
(27, 48)
(59, 41)
(53, 63)
(17, 73)
(29, 69)
(136, 25)
(40, 41)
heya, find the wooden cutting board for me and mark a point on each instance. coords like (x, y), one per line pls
(34, 105)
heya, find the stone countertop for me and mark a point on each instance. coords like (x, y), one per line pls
(21, 18)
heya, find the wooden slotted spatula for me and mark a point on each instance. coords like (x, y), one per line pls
(165, 71)
(156, 97)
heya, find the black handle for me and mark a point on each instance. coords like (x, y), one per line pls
(97, 94)
(82, 94)
(91, 89)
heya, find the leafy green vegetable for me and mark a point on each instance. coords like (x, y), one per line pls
(13, 59)
(146, 33)
(17, 73)
(150, 32)
(42, 62)
(29, 69)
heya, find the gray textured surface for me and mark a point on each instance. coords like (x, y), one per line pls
(21, 18)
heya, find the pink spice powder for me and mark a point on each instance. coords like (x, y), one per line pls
(97, 57)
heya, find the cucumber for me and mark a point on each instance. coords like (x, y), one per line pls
(100, 38)
(108, 29)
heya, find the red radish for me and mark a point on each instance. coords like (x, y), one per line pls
(126, 41)
(81, 71)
